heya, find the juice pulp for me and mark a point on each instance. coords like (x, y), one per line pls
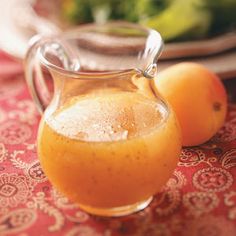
(109, 150)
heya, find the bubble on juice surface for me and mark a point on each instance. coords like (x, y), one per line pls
(111, 117)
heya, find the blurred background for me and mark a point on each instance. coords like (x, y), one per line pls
(176, 20)
(202, 31)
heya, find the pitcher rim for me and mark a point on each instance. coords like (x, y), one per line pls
(96, 74)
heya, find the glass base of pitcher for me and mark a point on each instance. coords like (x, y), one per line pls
(117, 211)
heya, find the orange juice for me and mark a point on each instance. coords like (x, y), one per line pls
(109, 150)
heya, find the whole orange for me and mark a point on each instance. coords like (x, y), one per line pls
(198, 98)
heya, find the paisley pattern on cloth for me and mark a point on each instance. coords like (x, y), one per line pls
(199, 199)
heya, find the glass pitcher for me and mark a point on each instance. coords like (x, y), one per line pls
(106, 140)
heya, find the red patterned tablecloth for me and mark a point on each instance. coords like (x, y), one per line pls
(199, 199)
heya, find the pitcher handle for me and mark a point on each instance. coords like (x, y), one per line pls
(34, 75)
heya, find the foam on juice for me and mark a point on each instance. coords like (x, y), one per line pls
(107, 118)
